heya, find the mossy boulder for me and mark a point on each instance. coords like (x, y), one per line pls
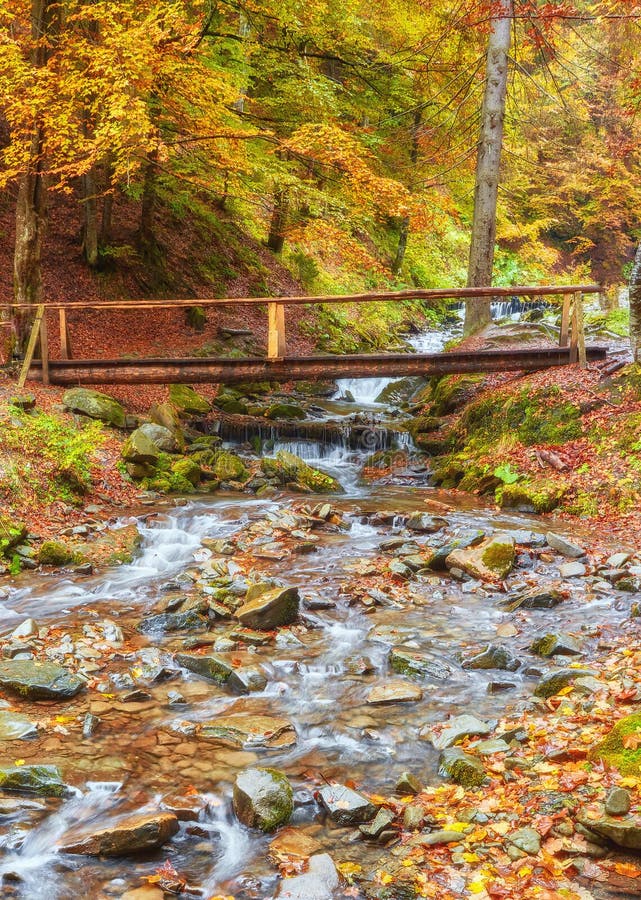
(139, 448)
(187, 401)
(534, 496)
(228, 466)
(263, 798)
(289, 468)
(447, 394)
(271, 609)
(612, 750)
(492, 560)
(163, 438)
(216, 668)
(12, 533)
(55, 553)
(552, 684)
(43, 781)
(287, 411)
(38, 680)
(231, 402)
(188, 469)
(95, 405)
(166, 414)
(462, 768)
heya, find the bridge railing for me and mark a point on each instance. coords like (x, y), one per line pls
(571, 297)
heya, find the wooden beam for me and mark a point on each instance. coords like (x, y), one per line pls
(31, 347)
(313, 368)
(565, 320)
(580, 331)
(44, 348)
(276, 343)
(574, 333)
(65, 339)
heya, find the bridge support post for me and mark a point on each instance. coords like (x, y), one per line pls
(565, 321)
(276, 338)
(577, 335)
(65, 339)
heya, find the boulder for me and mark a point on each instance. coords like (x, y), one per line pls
(492, 560)
(462, 768)
(140, 448)
(95, 405)
(617, 802)
(185, 399)
(190, 620)
(228, 466)
(624, 832)
(286, 411)
(551, 684)
(12, 533)
(263, 798)
(417, 665)
(555, 644)
(55, 553)
(38, 680)
(493, 657)
(527, 840)
(564, 546)
(620, 749)
(124, 837)
(44, 781)
(321, 881)
(249, 731)
(455, 730)
(345, 806)
(272, 609)
(163, 438)
(291, 469)
(394, 692)
(216, 668)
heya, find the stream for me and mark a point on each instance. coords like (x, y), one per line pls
(147, 748)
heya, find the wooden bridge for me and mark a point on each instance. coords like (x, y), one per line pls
(278, 366)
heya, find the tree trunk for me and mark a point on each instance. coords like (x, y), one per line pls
(488, 165)
(635, 306)
(90, 223)
(107, 214)
(401, 247)
(404, 231)
(276, 239)
(146, 234)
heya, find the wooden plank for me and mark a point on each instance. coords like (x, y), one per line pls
(580, 331)
(44, 348)
(231, 371)
(574, 332)
(65, 341)
(275, 331)
(31, 346)
(565, 320)
(369, 297)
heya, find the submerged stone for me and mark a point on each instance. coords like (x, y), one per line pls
(190, 620)
(126, 837)
(409, 662)
(394, 692)
(44, 781)
(245, 731)
(271, 609)
(556, 644)
(493, 657)
(213, 667)
(263, 798)
(38, 680)
(14, 726)
(321, 881)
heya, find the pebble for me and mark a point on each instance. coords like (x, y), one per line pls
(617, 802)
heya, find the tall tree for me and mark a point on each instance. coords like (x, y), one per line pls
(488, 165)
(635, 306)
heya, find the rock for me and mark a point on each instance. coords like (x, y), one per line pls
(44, 781)
(489, 748)
(185, 399)
(213, 667)
(145, 892)
(413, 816)
(24, 402)
(289, 468)
(247, 680)
(95, 405)
(263, 798)
(525, 839)
(616, 748)
(190, 620)
(537, 598)
(272, 609)
(462, 768)
(622, 832)
(286, 411)
(408, 784)
(26, 629)
(250, 731)
(618, 560)
(563, 545)
(292, 845)
(12, 533)
(492, 560)
(163, 438)
(440, 837)
(89, 725)
(139, 448)
(37, 680)
(345, 806)
(394, 692)
(165, 414)
(551, 684)
(55, 553)
(617, 802)
(555, 644)
(125, 837)
(321, 881)
(228, 466)
(409, 662)
(455, 730)
(382, 820)
(359, 665)
(423, 523)
(14, 726)
(572, 570)
(493, 657)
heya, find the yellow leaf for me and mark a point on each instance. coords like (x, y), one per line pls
(476, 887)
(500, 828)
(471, 857)
(385, 878)
(349, 868)
(19, 762)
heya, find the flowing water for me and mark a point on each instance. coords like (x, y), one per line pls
(143, 751)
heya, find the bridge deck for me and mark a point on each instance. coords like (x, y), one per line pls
(312, 368)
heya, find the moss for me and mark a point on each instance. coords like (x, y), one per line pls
(186, 400)
(289, 468)
(449, 470)
(447, 394)
(12, 533)
(533, 496)
(499, 557)
(55, 553)
(285, 411)
(187, 469)
(227, 466)
(611, 750)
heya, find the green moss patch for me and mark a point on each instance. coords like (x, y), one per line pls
(612, 749)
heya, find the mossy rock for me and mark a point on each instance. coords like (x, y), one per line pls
(263, 798)
(165, 414)
(43, 781)
(288, 411)
(228, 466)
(450, 470)
(188, 469)
(613, 752)
(291, 469)
(533, 496)
(462, 768)
(187, 401)
(141, 449)
(449, 393)
(499, 556)
(55, 553)
(95, 405)
(12, 533)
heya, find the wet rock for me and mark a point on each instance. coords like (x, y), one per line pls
(14, 726)
(622, 832)
(187, 401)
(455, 730)
(394, 692)
(263, 798)
(55, 553)
(291, 469)
(572, 570)
(44, 781)
(124, 837)
(382, 820)
(249, 731)
(145, 892)
(89, 725)
(26, 629)
(95, 405)
(359, 665)
(408, 784)
(399, 568)
(38, 680)
(247, 680)
(190, 620)
(287, 411)
(409, 662)
(272, 609)
(527, 840)
(617, 802)
(462, 768)
(499, 687)
(292, 845)
(555, 644)
(186, 808)
(490, 561)
(493, 657)
(213, 667)
(537, 598)
(423, 523)
(228, 466)
(321, 881)
(345, 806)
(551, 684)
(563, 545)
(413, 817)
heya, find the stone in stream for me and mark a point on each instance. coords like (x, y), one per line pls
(263, 798)
(455, 730)
(424, 523)
(551, 684)
(272, 609)
(462, 542)
(525, 840)
(462, 768)
(190, 620)
(572, 570)
(622, 832)
(26, 629)
(617, 802)
(321, 881)
(492, 560)
(292, 845)
(14, 726)
(564, 546)
(124, 837)
(408, 784)
(247, 680)
(382, 820)
(38, 680)
(536, 598)
(359, 665)
(95, 405)
(493, 657)
(394, 692)
(345, 806)
(44, 781)
(417, 665)
(213, 667)
(249, 731)
(555, 644)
